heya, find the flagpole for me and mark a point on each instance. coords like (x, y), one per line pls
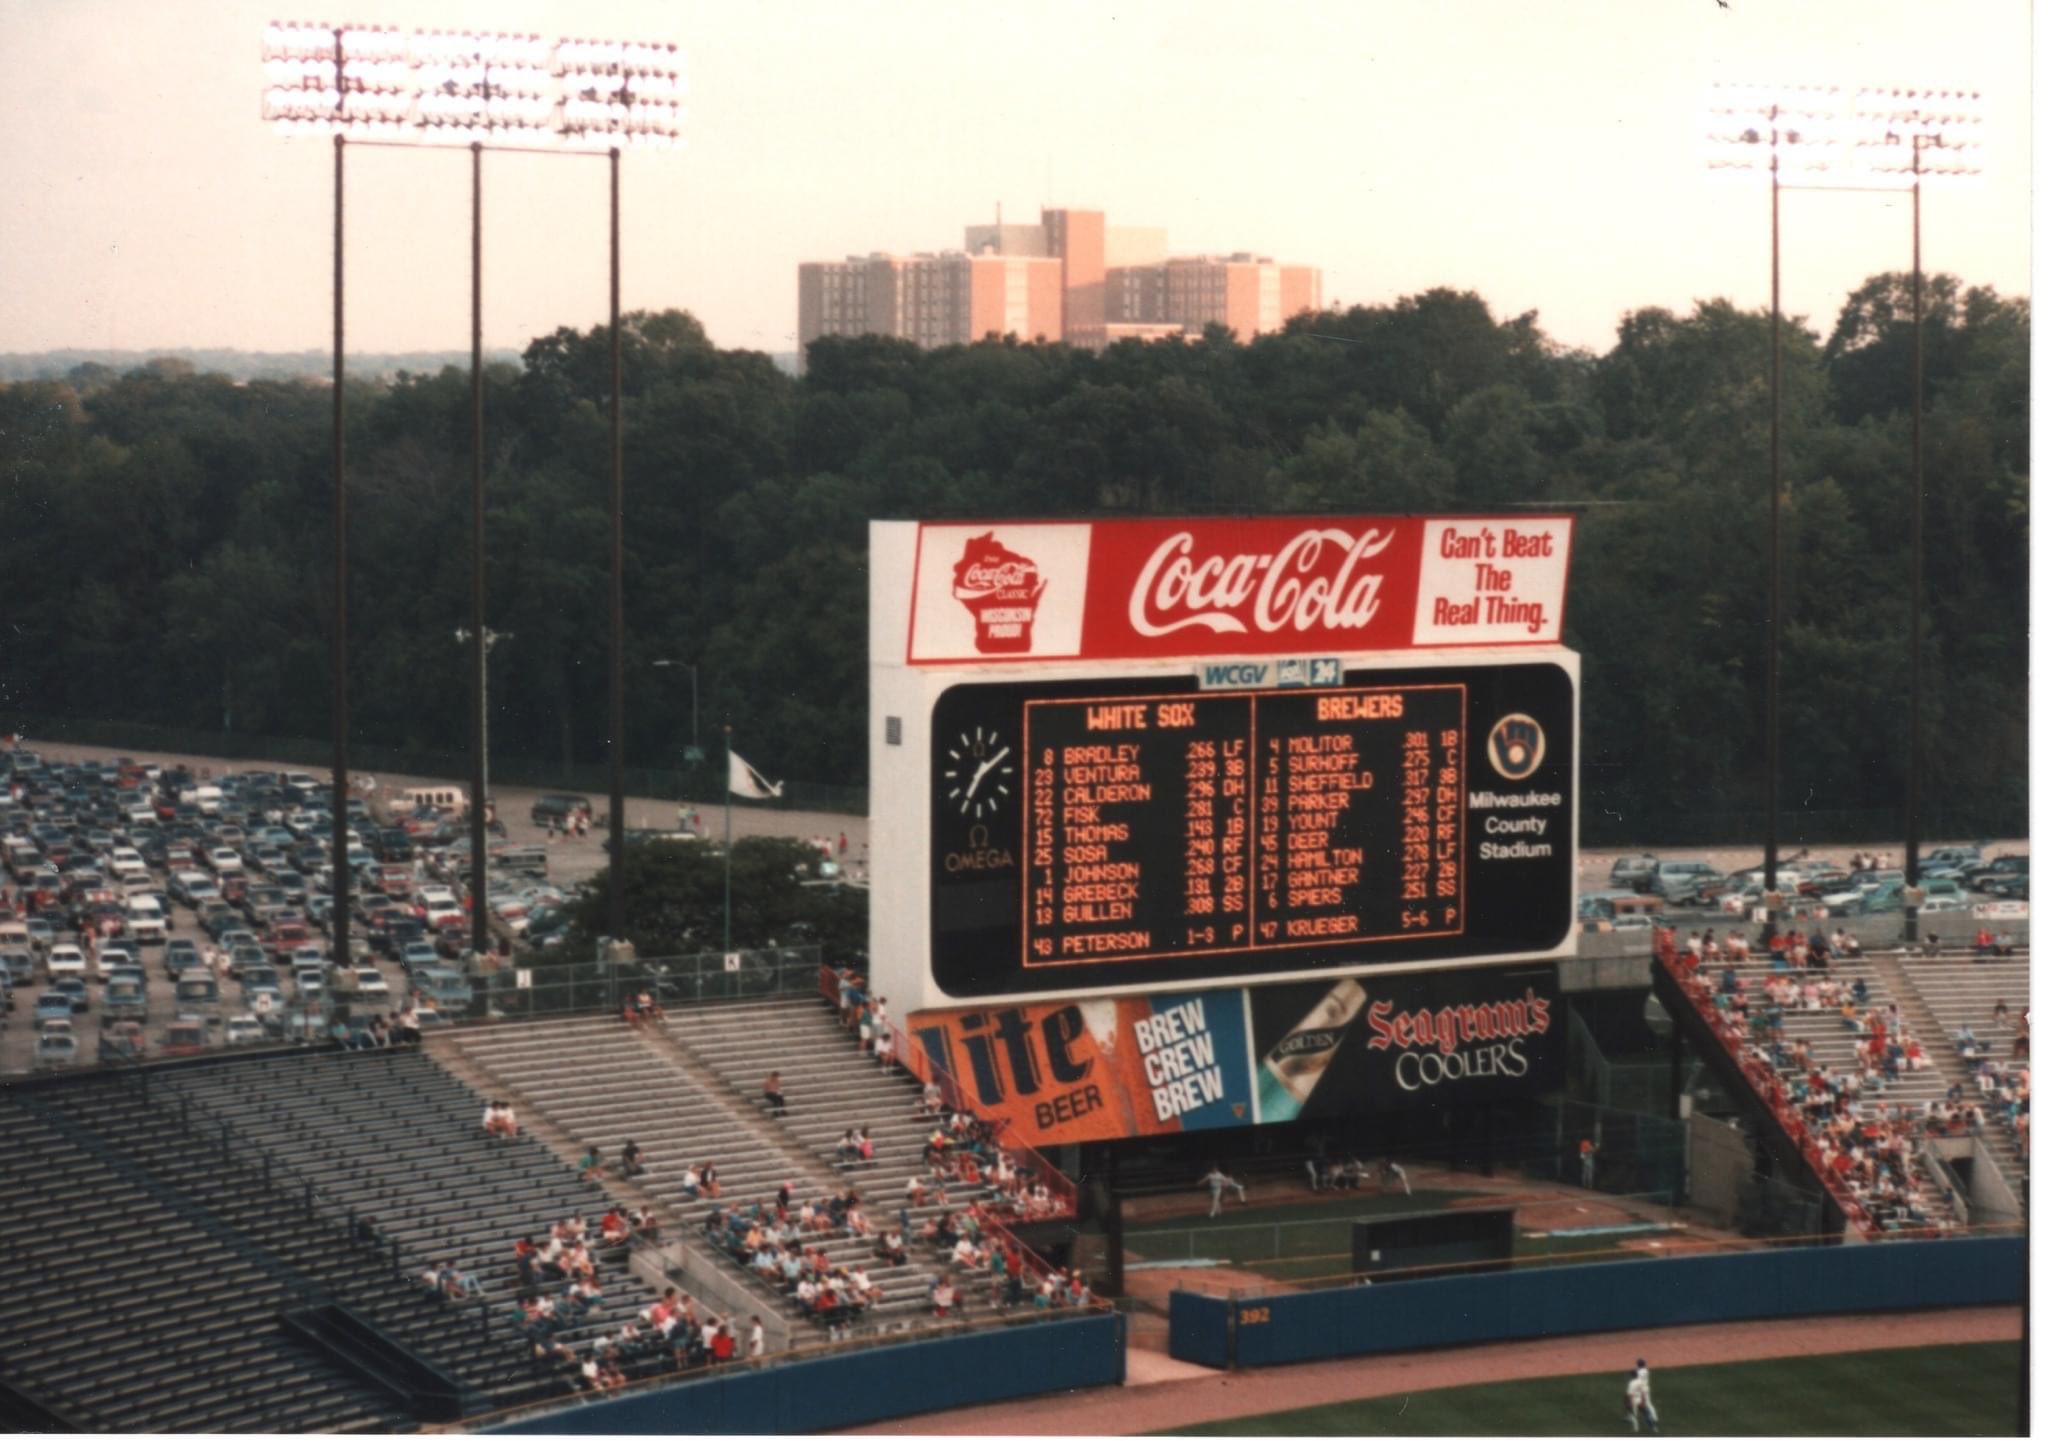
(728, 839)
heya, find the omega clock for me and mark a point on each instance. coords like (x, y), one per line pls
(979, 770)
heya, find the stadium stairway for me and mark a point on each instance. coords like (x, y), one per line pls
(390, 1136)
(594, 1080)
(1953, 992)
(141, 1295)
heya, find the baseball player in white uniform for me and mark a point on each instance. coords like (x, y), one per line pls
(1640, 1409)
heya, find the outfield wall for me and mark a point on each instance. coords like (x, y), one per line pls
(857, 1387)
(1274, 1329)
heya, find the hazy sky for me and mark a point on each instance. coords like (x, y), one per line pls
(1543, 154)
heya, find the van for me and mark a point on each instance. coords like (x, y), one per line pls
(556, 809)
(453, 799)
(528, 860)
(146, 921)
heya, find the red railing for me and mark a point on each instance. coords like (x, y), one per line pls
(1762, 1077)
(1065, 1196)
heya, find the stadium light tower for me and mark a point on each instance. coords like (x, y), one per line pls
(383, 86)
(1826, 138)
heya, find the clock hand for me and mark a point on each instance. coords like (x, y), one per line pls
(986, 766)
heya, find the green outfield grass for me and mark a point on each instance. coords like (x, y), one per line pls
(1918, 1391)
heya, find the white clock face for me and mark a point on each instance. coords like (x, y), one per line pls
(979, 772)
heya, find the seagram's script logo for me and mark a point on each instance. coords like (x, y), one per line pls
(1316, 581)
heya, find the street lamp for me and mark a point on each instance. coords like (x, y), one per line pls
(385, 86)
(692, 753)
(481, 642)
(1831, 140)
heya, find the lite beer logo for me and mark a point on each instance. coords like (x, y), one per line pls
(1454, 1043)
(1001, 590)
(1314, 581)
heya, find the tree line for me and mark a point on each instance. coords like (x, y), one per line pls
(164, 533)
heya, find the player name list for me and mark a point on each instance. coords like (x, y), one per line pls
(1242, 821)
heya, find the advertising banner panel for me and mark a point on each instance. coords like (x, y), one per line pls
(1095, 1070)
(1020, 591)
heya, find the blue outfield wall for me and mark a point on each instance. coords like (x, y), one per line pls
(1612, 1296)
(861, 1386)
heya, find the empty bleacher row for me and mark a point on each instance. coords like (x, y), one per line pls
(145, 1290)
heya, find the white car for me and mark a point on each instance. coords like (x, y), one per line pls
(370, 984)
(445, 913)
(126, 861)
(146, 921)
(224, 861)
(428, 895)
(243, 1030)
(65, 960)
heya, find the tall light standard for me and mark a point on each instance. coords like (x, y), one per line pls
(692, 753)
(1829, 141)
(382, 86)
(480, 642)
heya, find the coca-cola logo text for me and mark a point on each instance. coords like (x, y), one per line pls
(996, 577)
(1295, 588)
(1449, 1027)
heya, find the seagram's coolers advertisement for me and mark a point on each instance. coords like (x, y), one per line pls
(1095, 1070)
(1449, 1038)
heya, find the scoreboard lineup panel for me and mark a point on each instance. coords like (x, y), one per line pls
(1269, 810)
(1133, 831)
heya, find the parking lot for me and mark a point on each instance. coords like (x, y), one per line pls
(90, 810)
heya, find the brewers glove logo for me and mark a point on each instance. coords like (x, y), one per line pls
(1515, 746)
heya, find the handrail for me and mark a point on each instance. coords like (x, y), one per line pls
(1065, 1194)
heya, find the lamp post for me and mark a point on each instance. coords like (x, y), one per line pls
(481, 641)
(1829, 142)
(692, 753)
(383, 86)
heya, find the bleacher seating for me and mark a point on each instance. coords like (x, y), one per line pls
(393, 1137)
(138, 1300)
(1959, 991)
(605, 1083)
(1764, 1052)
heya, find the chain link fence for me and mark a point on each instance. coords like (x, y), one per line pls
(560, 988)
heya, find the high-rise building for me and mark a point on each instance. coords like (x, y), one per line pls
(1070, 277)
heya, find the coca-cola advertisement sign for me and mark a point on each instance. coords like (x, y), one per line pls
(1129, 589)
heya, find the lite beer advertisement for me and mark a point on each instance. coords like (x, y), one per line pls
(1133, 589)
(1097, 1070)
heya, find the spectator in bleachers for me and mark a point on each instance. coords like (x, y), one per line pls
(943, 1296)
(885, 1048)
(591, 1167)
(771, 1092)
(849, 1147)
(614, 1230)
(891, 1249)
(646, 1224)
(630, 1164)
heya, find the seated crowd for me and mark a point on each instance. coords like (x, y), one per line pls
(560, 1286)
(1858, 1144)
(781, 1243)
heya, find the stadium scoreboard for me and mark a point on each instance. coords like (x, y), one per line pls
(1140, 757)
(1085, 834)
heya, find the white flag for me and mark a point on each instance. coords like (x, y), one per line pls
(744, 780)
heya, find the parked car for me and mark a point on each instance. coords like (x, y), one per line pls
(2002, 868)
(181, 955)
(243, 1030)
(146, 924)
(1687, 883)
(64, 961)
(56, 1046)
(556, 809)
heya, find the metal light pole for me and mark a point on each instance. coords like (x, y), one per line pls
(1838, 145)
(481, 639)
(382, 86)
(616, 908)
(694, 752)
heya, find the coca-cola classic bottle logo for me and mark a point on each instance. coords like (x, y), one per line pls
(1296, 587)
